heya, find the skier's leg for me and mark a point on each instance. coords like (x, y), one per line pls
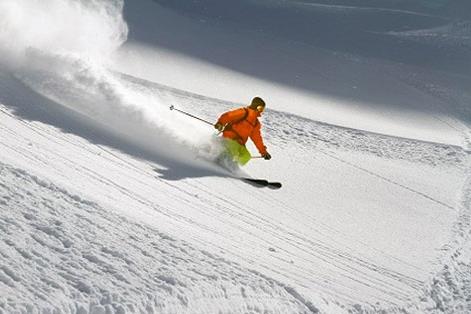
(238, 152)
(228, 157)
(244, 155)
(232, 148)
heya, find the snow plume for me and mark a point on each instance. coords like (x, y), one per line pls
(92, 28)
(61, 48)
(131, 110)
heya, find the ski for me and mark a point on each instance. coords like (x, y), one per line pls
(262, 183)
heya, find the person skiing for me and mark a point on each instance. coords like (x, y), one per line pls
(240, 124)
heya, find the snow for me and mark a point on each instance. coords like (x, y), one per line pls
(455, 34)
(112, 203)
(65, 247)
(294, 73)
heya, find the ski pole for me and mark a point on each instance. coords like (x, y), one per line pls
(172, 107)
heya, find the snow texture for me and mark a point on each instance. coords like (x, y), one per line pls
(112, 203)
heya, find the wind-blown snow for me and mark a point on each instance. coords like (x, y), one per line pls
(91, 29)
(68, 64)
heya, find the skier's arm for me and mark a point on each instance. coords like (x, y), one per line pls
(256, 137)
(231, 116)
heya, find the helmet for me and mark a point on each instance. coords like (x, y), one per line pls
(257, 101)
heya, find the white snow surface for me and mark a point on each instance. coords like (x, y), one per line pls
(112, 203)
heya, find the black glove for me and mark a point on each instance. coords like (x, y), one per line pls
(266, 156)
(219, 127)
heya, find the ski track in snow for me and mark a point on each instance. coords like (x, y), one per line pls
(454, 35)
(74, 244)
(57, 246)
(353, 9)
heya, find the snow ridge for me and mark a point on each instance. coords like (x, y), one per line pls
(449, 291)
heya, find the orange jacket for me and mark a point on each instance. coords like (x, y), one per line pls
(243, 123)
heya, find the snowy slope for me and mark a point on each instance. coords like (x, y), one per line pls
(339, 244)
(276, 49)
(111, 203)
(72, 255)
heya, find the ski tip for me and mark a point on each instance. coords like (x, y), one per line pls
(274, 185)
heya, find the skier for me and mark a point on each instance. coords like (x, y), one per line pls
(240, 124)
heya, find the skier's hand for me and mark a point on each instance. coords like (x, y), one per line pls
(266, 156)
(219, 127)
